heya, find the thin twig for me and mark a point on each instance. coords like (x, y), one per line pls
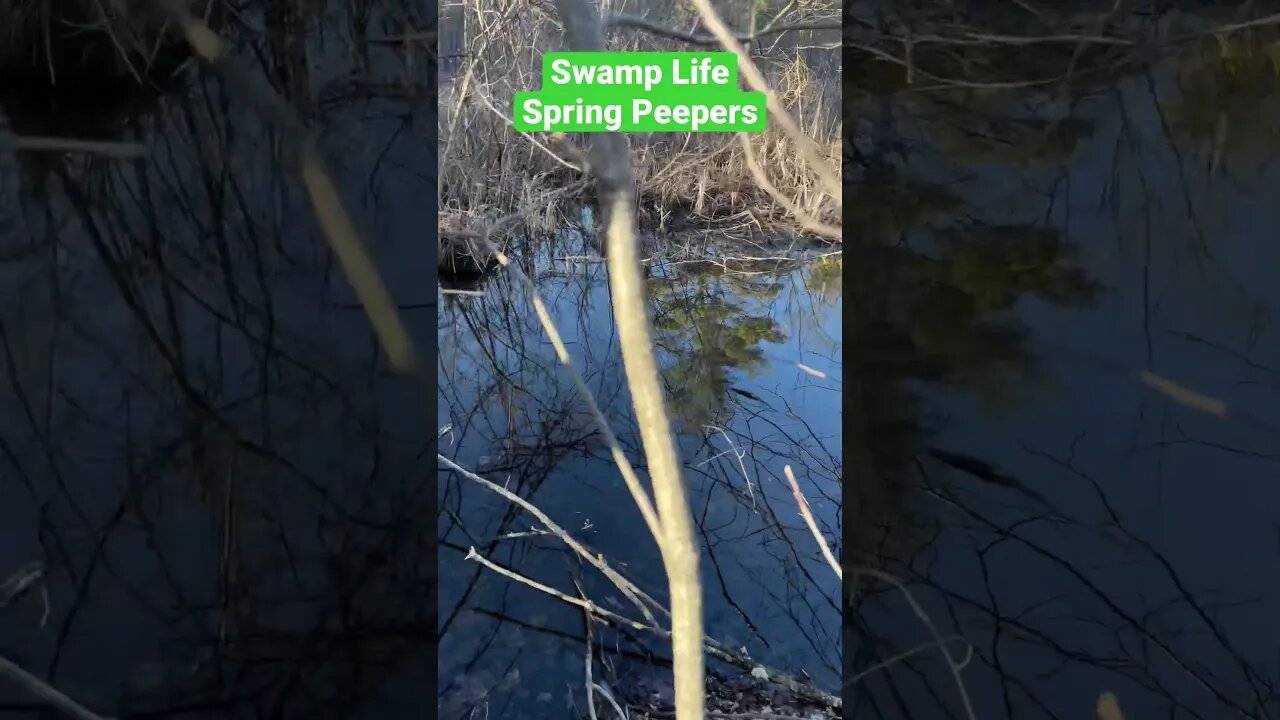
(924, 647)
(590, 683)
(117, 150)
(1264, 21)
(738, 455)
(712, 647)
(18, 584)
(953, 665)
(629, 476)
(526, 136)
(604, 691)
(813, 526)
(637, 596)
(806, 146)
(976, 38)
(45, 692)
(580, 602)
(640, 23)
(807, 221)
(812, 371)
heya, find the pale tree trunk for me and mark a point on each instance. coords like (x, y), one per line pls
(610, 159)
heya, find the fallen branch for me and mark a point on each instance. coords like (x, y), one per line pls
(638, 597)
(711, 647)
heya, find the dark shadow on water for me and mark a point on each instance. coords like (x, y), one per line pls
(203, 448)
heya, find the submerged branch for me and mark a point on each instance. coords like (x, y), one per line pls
(712, 648)
(45, 692)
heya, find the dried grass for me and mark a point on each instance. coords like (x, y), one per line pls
(485, 163)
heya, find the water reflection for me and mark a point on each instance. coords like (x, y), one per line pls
(1047, 252)
(731, 338)
(202, 446)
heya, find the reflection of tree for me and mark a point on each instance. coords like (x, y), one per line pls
(1092, 604)
(824, 279)
(934, 313)
(885, 210)
(941, 310)
(708, 330)
(537, 438)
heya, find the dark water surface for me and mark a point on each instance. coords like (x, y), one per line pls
(732, 345)
(199, 438)
(1060, 386)
(1061, 383)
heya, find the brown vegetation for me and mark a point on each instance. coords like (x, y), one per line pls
(496, 52)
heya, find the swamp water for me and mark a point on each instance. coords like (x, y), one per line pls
(225, 484)
(751, 364)
(1062, 376)
(200, 441)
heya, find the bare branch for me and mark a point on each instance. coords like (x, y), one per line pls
(955, 666)
(26, 143)
(806, 146)
(924, 647)
(637, 596)
(629, 477)
(807, 221)
(712, 647)
(813, 526)
(640, 23)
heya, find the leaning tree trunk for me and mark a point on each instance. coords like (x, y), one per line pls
(610, 159)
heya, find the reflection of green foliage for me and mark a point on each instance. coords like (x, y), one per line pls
(1243, 55)
(982, 272)
(942, 316)
(996, 265)
(824, 278)
(885, 211)
(1229, 95)
(936, 317)
(708, 333)
(933, 282)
